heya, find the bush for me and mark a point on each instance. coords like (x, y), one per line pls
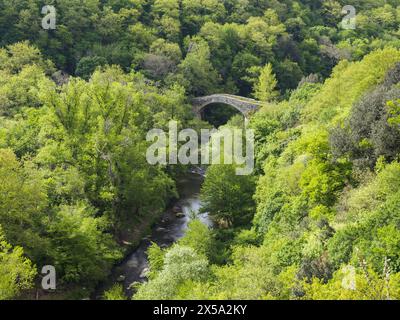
(115, 293)
(181, 264)
(16, 271)
(367, 134)
(198, 237)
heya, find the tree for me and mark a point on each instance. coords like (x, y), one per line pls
(81, 250)
(241, 68)
(367, 134)
(195, 14)
(162, 59)
(167, 18)
(15, 57)
(198, 74)
(23, 71)
(350, 283)
(228, 197)
(181, 265)
(289, 75)
(198, 237)
(264, 88)
(16, 271)
(23, 201)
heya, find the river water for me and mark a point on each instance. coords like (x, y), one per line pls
(166, 232)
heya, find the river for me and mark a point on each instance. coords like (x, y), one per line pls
(166, 232)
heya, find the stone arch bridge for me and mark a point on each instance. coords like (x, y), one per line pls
(246, 106)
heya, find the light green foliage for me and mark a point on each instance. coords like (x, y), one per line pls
(16, 271)
(264, 31)
(167, 17)
(227, 196)
(22, 203)
(196, 13)
(83, 171)
(264, 89)
(156, 257)
(360, 284)
(19, 55)
(115, 293)
(69, 236)
(181, 264)
(198, 73)
(348, 83)
(22, 70)
(81, 249)
(394, 111)
(375, 236)
(198, 237)
(252, 275)
(310, 226)
(101, 125)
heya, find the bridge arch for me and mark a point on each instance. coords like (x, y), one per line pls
(245, 106)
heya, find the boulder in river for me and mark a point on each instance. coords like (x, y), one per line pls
(121, 278)
(177, 209)
(144, 273)
(180, 215)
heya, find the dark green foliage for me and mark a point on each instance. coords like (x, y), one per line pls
(299, 38)
(87, 65)
(392, 77)
(218, 115)
(367, 134)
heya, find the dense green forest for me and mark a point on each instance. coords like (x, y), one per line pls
(318, 219)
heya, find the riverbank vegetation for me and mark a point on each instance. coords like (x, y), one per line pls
(318, 219)
(325, 224)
